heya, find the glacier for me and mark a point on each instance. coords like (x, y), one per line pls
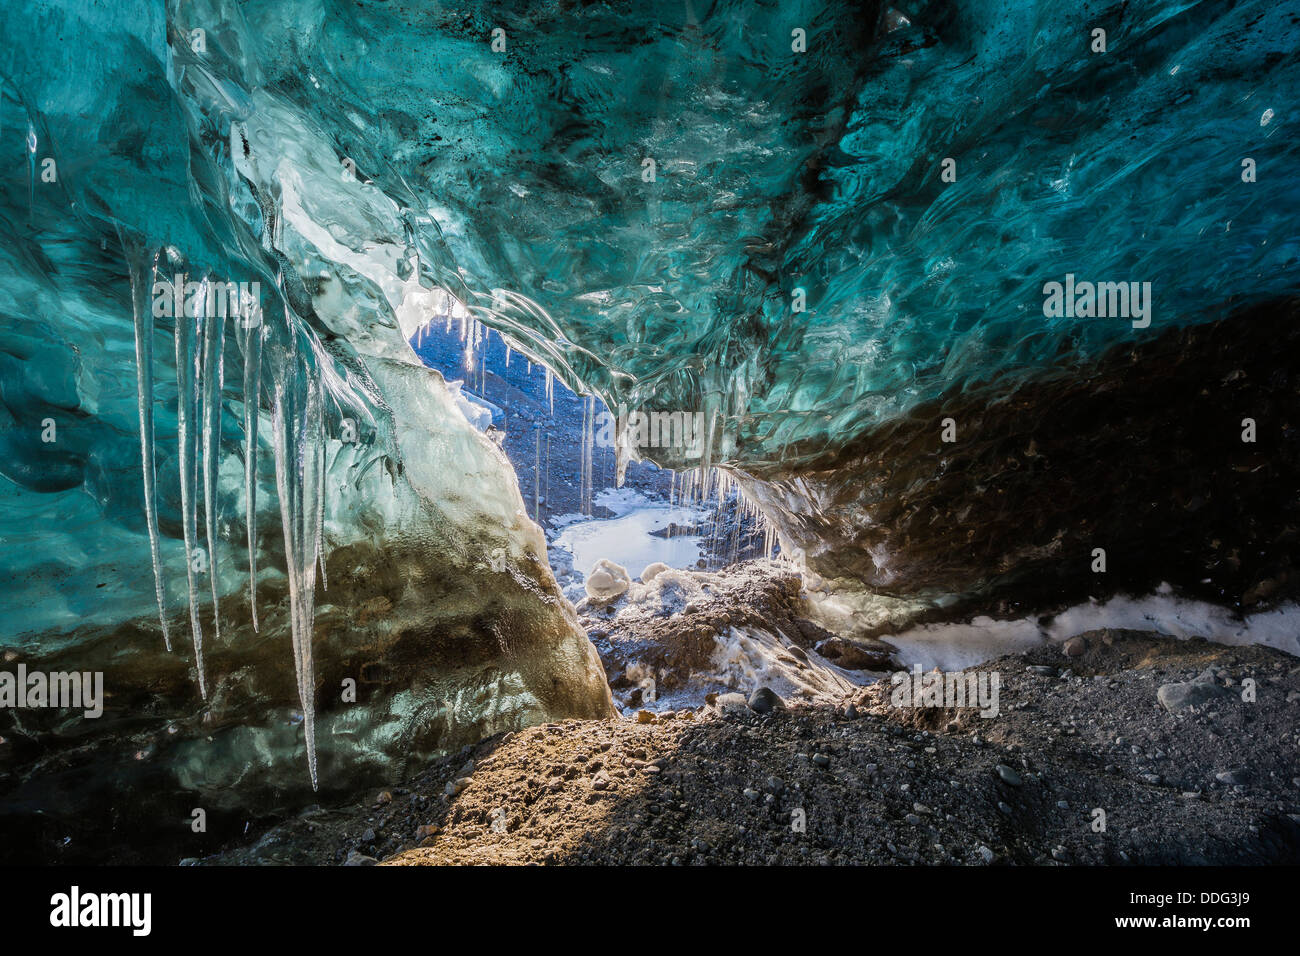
(824, 228)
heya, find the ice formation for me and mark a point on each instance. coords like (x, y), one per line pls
(260, 416)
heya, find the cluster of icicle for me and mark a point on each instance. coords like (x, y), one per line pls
(298, 442)
(701, 485)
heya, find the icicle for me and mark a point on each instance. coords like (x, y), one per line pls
(252, 322)
(588, 444)
(186, 410)
(537, 474)
(507, 355)
(550, 389)
(143, 318)
(320, 501)
(581, 480)
(214, 341)
(299, 443)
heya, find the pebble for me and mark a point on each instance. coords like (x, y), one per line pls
(1008, 775)
(821, 760)
(985, 854)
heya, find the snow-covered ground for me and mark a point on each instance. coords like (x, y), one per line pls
(958, 645)
(627, 538)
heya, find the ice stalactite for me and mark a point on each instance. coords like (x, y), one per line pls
(187, 385)
(251, 324)
(537, 473)
(582, 463)
(322, 471)
(588, 442)
(550, 389)
(298, 441)
(213, 382)
(142, 315)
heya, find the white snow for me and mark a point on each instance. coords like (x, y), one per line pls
(955, 646)
(626, 539)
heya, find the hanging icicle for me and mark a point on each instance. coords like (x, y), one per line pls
(187, 385)
(214, 340)
(142, 315)
(299, 445)
(251, 321)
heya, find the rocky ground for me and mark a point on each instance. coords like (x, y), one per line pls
(1115, 747)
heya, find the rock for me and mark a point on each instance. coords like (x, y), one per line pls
(607, 582)
(1008, 776)
(454, 787)
(1176, 697)
(425, 831)
(985, 854)
(356, 858)
(1074, 647)
(1236, 777)
(732, 704)
(1042, 670)
(600, 781)
(645, 717)
(652, 571)
(821, 760)
(764, 700)
(858, 655)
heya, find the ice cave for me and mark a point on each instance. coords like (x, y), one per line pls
(384, 380)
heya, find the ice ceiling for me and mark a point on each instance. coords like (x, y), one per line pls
(740, 209)
(821, 171)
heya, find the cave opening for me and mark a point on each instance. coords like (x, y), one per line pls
(563, 449)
